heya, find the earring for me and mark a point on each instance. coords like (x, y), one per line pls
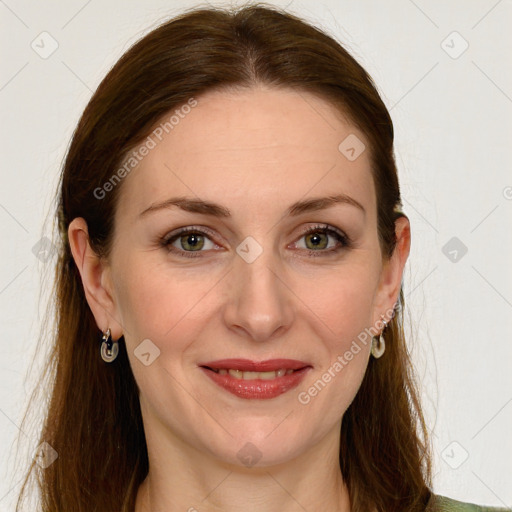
(109, 349)
(379, 345)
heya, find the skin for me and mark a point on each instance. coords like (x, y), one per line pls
(255, 152)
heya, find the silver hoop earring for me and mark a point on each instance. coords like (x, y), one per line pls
(379, 344)
(109, 349)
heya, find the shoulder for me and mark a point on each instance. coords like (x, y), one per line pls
(439, 503)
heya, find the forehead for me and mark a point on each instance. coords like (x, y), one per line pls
(257, 147)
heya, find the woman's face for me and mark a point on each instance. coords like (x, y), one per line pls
(248, 282)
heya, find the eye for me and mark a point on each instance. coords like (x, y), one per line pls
(191, 241)
(317, 240)
(188, 241)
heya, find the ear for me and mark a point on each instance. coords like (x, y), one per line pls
(96, 279)
(391, 276)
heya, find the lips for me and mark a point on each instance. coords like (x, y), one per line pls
(246, 365)
(256, 379)
(257, 385)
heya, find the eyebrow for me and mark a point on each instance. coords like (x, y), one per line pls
(193, 205)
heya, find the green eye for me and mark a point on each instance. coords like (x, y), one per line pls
(190, 241)
(317, 240)
(194, 241)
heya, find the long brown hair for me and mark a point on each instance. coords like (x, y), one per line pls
(93, 419)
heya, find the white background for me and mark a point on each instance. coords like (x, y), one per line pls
(453, 127)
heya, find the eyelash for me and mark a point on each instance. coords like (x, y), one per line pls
(343, 239)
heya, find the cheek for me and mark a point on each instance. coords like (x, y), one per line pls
(343, 313)
(342, 302)
(170, 311)
(156, 303)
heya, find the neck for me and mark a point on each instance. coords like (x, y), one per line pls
(185, 480)
(255, 494)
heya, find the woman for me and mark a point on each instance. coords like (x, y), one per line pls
(229, 284)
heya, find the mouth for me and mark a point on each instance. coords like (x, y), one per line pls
(256, 380)
(249, 375)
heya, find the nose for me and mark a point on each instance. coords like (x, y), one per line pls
(260, 301)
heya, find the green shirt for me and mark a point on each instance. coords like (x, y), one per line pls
(443, 504)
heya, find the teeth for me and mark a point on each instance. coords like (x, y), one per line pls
(238, 374)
